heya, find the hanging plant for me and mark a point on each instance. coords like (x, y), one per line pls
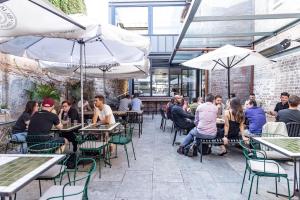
(41, 91)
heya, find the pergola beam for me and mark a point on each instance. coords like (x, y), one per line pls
(246, 17)
(225, 35)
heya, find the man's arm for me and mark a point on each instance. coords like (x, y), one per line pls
(106, 119)
(184, 114)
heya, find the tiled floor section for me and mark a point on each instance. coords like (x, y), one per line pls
(159, 173)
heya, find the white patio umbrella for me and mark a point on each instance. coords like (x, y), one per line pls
(32, 17)
(227, 57)
(93, 48)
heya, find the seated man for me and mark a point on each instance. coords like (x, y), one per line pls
(206, 123)
(283, 104)
(136, 103)
(170, 104)
(193, 106)
(69, 112)
(125, 103)
(220, 106)
(41, 123)
(102, 111)
(256, 117)
(292, 114)
(181, 118)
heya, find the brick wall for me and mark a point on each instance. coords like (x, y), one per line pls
(239, 82)
(270, 81)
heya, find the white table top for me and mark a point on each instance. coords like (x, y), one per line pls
(100, 128)
(67, 128)
(289, 146)
(25, 179)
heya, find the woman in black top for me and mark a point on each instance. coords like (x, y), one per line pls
(20, 128)
(234, 123)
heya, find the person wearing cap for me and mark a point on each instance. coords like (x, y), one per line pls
(102, 111)
(41, 122)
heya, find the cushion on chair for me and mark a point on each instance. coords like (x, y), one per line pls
(272, 155)
(270, 167)
(56, 190)
(52, 172)
(91, 145)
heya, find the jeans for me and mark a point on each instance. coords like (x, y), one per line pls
(194, 133)
(21, 137)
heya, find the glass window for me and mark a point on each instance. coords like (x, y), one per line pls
(160, 82)
(188, 78)
(166, 20)
(133, 19)
(142, 86)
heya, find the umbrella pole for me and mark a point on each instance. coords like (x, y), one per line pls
(81, 82)
(228, 78)
(104, 86)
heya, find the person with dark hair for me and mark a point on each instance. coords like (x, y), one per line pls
(42, 122)
(181, 118)
(252, 97)
(170, 104)
(283, 104)
(125, 103)
(102, 111)
(220, 106)
(136, 103)
(69, 113)
(193, 106)
(19, 130)
(256, 118)
(232, 95)
(205, 121)
(234, 123)
(292, 114)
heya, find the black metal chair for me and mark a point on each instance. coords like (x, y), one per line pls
(293, 129)
(163, 119)
(135, 118)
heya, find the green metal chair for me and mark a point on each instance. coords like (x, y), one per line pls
(261, 167)
(123, 137)
(90, 145)
(72, 190)
(56, 172)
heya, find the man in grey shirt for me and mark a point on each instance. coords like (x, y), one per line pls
(292, 114)
(125, 103)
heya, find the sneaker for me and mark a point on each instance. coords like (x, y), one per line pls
(180, 150)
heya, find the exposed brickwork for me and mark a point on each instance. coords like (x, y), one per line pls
(239, 82)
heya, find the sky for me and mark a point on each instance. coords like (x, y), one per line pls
(97, 10)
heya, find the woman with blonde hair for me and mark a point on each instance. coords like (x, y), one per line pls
(234, 123)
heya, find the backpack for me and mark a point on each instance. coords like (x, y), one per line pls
(190, 149)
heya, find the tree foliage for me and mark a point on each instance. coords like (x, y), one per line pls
(70, 6)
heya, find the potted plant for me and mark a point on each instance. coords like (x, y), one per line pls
(41, 91)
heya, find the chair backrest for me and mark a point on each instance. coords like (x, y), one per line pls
(162, 113)
(132, 117)
(249, 151)
(274, 128)
(44, 148)
(293, 129)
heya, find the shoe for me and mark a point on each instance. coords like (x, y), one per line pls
(180, 150)
(223, 153)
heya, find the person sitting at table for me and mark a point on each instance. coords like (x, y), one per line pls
(252, 97)
(125, 103)
(292, 114)
(181, 118)
(86, 105)
(220, 106)
(193, 106)
(205, 121)
(256, 118)
(170, 104)
(136, 103)
(19, 130)
(42, 122)
(69, 113)
(283, 104)
(102, 111)
(234, 124)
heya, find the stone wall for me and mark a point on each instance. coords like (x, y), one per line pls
(240, 79)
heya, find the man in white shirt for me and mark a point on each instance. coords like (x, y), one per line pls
(102, 111)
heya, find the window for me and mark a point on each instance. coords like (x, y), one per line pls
(166, 20)
(142, 86)
(133, 19)
(188, 87)
(160, 82)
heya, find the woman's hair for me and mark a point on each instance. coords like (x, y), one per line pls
(237, 110)
(29, 107)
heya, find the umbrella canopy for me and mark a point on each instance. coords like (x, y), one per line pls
(227, 57)
(28, 17)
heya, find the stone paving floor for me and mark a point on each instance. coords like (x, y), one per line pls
(159, 173)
